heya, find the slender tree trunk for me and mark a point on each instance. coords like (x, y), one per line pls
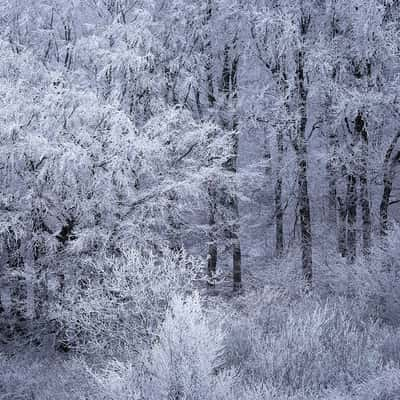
(237, 253)
(212, 256)
(235, 227)
(305, 219)
(3, 313)
(19, 288)
(212, 239)
(389, 163)
(229, 121)
(302, 165)
(362, 134)
(38, 265)
(279, 238)
(351, 217)
(384, 207)
(331, 169)
(351, 193)
(341, 227)
(237, 261)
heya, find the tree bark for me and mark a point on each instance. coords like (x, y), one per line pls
(229, 121)
(341, 227)
(235, 227)
(19, 288)
(361, 131)
(331, 169)
(279, 238)
(351, 217)
(351, 193)
(212, 240)
(302, 165)
(212, 256)
(388, 175)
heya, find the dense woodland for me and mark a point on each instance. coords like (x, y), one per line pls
(200, 199)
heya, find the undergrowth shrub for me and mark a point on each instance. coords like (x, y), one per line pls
(183, 362)
(385, 385)
(116, 304)
(33, 377)
(305, 347)
(339, 342)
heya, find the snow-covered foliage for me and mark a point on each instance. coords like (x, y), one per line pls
(155, 155)
(267, 344)
(114, 305)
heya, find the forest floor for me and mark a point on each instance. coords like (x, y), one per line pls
(339, 342)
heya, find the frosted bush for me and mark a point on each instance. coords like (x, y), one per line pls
(31, 376)
(303, 348)
(185, 360)
(390, 347)
(385, 385)
(116, 304)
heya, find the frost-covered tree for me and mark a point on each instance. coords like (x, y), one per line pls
(88, 167)
(283, 34)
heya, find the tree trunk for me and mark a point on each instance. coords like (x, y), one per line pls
(331, 169)
(384, 207)
(235, 226)
(279, 244)
(237, 261)
(351, 217)
(388, 175)
(342, 208)
(362, 134)
(302, 165)
(305, 219)
(212, 256)
(212, 244)
(229, 121)
(341, 227)
(18, 284)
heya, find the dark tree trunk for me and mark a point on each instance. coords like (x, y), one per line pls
(302, 165)
(384, 207)
(237, 261)
(388, 174)
(235, 226)
(229, 121)
(279, 238)
(212, 256)
(341, 227)
(342, 217)
(362, 134)
(351, 217)
(331, 169)
(37, 263)
(305, 219)
(351, 191)
(212, 239)
(18, 284)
